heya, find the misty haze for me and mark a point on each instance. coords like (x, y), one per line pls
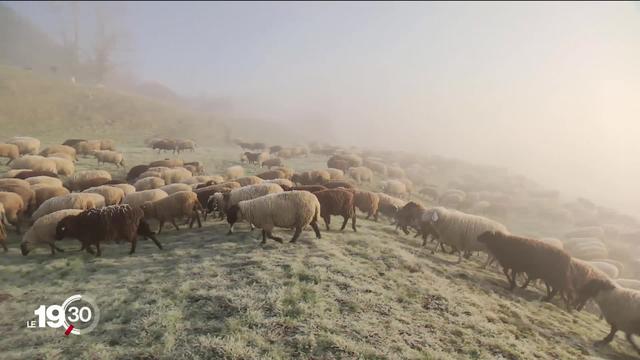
(451, 143)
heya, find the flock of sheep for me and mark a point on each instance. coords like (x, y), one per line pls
(44, 190)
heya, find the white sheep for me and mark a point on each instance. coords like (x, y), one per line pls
(174, 188)
(148, 183)
(335, 174)
(82, 201)
(176, 175)
(44, 180)
(361, 174)
(288, 172)
(9, 151)
(619, 306)
(460, 230)
(88, 147)
(108, 156)
(35, 163)
(88, 178)
(629, 283)
(112, 195)
(248, 180)
(59, 149)
(609, 269)
(136, 199)
(46, 192)
(234, 172)
(394, 187)
(395, 172)
(64, 166)
(281, 182)
(293, 209)
(14, 208)
(43, 231)
(587, 231)
(62, 156)
(127, 188)
(222, 201)
(26, 145)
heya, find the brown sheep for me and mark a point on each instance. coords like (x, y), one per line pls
(111, 223)
(337, 202)
(172, 207)
(537, 259)
(135, 171)
(315, 177)
(271, 174)
(269, 163)
(44, 193)
(29, 174)
(206, 192)
(367, 202)
(170, 163)
(580, 273)
(164, 144)
(10, 151)
(309, 188)
(338, 183)
(338, 163)
(409, 215)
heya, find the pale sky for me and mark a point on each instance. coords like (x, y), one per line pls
(551, 90)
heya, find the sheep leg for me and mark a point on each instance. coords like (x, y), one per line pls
(53, 249)
(270, 236)
(551, 294)
(512, 283)
(160, 227)
(459, 257)
(296, 234)
(353, 221)
(9, 162)
(99, 253)
(435, 248)
(630, 340)
(344, 223)
(314, 225)
(134, 241)
(489, 261)
(4, 246)
(608, 338)
(173, 221)
(264, 237)
(198, 219)
(155, 240)
(327, 221)
(526, 283)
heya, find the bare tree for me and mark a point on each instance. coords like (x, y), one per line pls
(109, 39)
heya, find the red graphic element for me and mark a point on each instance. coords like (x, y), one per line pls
(66, 333)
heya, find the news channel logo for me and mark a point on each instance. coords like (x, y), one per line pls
(78, 315)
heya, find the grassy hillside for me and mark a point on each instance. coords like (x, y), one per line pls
(374, 294)
(31, 104)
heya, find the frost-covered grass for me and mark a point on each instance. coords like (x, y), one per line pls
(374, 294)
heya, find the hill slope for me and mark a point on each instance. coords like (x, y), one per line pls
(32, 104)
